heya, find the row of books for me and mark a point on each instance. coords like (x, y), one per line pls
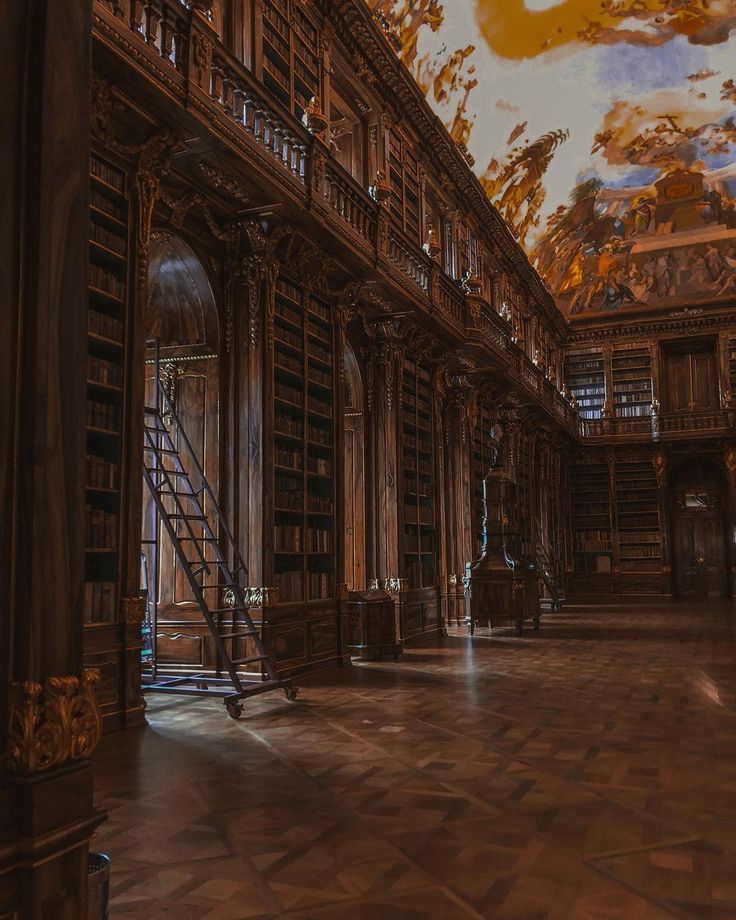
(319, 540)
(104, 280)
(639, 565)
(108, 326)
(322, 377)
(101, 371)
(633, 550)
(108, 174)
(100, 415)
(318, 333)
(640, 411)
(417, 443)
(99, 602)
(288, 393)
(105, 237)
(288, 538)
(592, 546)
(319, 435)
(422, 466)
(289, 363)
(319, 405)
(319, 309)
(285, 287)
(319, 352)
(322, 504)
(101, 529)
(320, 585)
(320, 465)
(288, 424)
(652, 536)
(425, 545)
(417, 486)
(288, 457)
(104, 204)
(101, 474)
(289, 585)
(288, 313)
(288, 337)
(642, 386)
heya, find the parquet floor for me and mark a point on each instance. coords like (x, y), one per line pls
(587, 772)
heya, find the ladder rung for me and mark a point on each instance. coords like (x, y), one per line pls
(162, 469)
(189, 517)
(248, 660)
(239, 635)
(194, 494)
(197, 539)
(159, 450)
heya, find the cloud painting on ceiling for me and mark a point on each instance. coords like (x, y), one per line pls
(603, 130)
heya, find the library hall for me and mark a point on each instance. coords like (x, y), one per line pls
(368, 460)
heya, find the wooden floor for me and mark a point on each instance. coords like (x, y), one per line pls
(587, 771)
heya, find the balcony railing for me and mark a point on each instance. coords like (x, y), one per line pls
(667, 425)
(184, 54)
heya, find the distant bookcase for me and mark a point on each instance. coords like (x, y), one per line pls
(483, 457)
(108, 279)
(304, 445)
(590, 506)
(732, 365)
(585, 376)
(419, 531)
(291, 61)
(631, 371)
(637, 511)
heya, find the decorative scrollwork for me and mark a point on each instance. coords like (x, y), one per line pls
(52, 723)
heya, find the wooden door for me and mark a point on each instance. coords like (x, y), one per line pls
(698, 533)
(691, 380)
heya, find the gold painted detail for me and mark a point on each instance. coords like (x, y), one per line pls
(133, 610)
(52, 723)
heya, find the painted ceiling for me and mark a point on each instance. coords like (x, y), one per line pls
(603, 130)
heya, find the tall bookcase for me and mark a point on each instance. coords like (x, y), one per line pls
(585, 376)
(304, 446)
(590, 511)
(637, 512)
(291, 64)
(483, 458)
(419, 534)
(732, 365)
(631, 373)
(524, 495)
(403, 168)
(108, 271)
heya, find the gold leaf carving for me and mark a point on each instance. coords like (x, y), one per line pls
(52, 723)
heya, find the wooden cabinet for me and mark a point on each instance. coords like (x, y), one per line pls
(372, 631)
(690, 378)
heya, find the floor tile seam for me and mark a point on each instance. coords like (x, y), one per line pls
(646, 848)
(670, 911)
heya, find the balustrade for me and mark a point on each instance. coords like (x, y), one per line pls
(348, 199)
(409, 259)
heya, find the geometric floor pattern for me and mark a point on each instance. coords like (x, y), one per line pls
(584, 772)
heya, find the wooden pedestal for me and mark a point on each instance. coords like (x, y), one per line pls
(372, 625)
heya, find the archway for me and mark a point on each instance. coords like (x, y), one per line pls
(697, 516)
(354, 475)
(181, 315)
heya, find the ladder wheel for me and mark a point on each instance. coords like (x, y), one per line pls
(291, 693)
(201, 686)
(234, 709)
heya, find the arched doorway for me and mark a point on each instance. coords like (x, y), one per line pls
(181, 315)
(354, 473)
(697, 515)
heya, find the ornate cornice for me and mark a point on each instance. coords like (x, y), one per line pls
(673, 323)
(52, 723)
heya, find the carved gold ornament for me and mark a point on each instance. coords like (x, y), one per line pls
(53, 723)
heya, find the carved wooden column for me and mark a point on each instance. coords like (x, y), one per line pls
(729, 459)
(459, 493)
(383, 395)
(49, 717)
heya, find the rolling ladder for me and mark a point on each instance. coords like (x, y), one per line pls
(179, 505)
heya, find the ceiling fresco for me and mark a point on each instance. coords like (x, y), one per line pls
(603, 130)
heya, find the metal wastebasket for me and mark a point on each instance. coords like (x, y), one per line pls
(98, 886)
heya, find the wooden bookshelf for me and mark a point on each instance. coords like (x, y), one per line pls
(524, 493)
(304, 447)
(108, 269)
(631, 372)
(419, 538)
(637, 512)
(291, 62)
(403, 168)
(732, 365)
(585, 377)
(590, 512)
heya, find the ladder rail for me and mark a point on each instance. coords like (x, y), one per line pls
(196, 588)
(171, 411)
